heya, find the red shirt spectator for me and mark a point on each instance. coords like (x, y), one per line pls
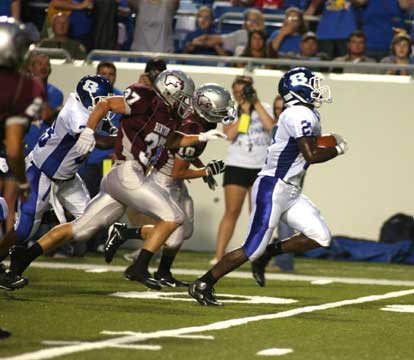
(277, 4)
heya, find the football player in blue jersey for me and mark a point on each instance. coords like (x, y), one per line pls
(276, 192)
(51, 167)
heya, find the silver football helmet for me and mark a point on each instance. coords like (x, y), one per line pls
(214, 104)
(14, 41)
(176, 89)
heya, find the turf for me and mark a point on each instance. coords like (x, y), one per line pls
(73, 305)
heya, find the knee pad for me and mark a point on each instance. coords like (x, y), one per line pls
(176, 239)
(321, 235)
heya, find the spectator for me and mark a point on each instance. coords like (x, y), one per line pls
(205, 26)
(38, 65)
(378, 18)
(105, 24)
(308, 49)
(81, 22)
(154, 25)
(289, 36)
(60, 26)
(356, 53)
(10, 8)
(66, 7)
(337, 22)
(236, 41)
(270, 4)
(401, 54)
(256, 46)
(250, 137)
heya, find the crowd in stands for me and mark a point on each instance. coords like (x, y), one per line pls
(345, 30)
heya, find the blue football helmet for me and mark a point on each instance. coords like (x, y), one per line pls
(91, 89)
(302, 86)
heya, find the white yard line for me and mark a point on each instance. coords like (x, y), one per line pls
(221, 325)
(235, 274)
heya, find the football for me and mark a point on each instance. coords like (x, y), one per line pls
(326, 140)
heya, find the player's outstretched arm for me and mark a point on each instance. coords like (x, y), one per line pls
(181, 170)
(314, 154)
(115, 104)
(86, 141)
(177, 139)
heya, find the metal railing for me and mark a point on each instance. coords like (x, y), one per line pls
(56, 53)
(251, 63)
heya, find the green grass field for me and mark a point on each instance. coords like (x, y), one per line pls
(71, 314)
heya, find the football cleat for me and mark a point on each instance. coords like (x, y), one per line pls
(4, 334)
(10, 281)
(144, 279)
(18, 259)
(203, 293)
(169, 280)
(259, 267)
(114, 241)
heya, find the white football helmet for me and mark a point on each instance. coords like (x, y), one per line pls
(214, 104)
(176, 89)
(14, 41)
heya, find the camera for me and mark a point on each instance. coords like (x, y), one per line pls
(249, 93)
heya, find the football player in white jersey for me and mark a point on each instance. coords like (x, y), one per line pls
(51, 167)
(276, 192)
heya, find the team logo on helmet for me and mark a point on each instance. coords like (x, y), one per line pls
(204, 101)
(173, 80)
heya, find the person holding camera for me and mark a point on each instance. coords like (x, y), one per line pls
(250, 135)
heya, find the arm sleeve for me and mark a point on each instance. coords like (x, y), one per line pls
(234, 39)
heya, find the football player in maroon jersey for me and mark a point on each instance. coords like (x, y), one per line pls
(212, 104)
(20, 100)
(151, 118)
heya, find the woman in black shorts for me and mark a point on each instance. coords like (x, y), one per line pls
(250, 136)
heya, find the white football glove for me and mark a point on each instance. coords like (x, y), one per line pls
(86, 142)
(211, 135)
(342, 146)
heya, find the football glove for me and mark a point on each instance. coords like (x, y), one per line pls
(211, 135)
(86, 142)
(215, 167)
(342, 145)
(210, 181)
